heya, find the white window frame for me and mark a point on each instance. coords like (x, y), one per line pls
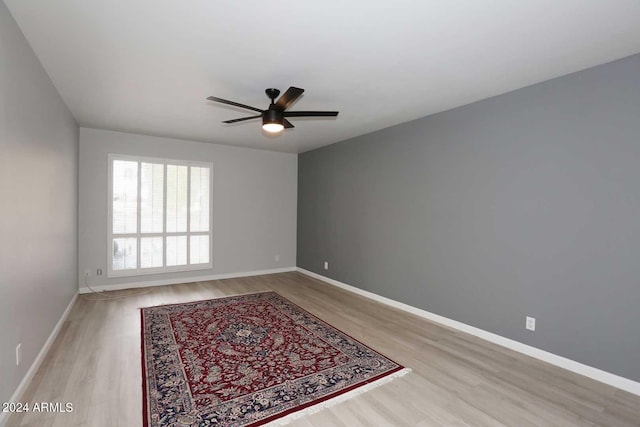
(164, 234)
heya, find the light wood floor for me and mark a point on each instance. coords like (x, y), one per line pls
(457, 379)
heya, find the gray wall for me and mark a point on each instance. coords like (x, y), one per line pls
(254, 203)
(38, 205)
(527, 203)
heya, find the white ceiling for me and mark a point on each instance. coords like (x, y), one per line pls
(146, 66)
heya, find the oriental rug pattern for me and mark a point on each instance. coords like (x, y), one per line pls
(245, 361)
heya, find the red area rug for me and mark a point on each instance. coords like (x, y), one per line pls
(248, 360)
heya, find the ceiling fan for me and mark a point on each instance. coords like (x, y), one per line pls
(274, 118)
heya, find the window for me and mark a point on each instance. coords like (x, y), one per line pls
(159, 215)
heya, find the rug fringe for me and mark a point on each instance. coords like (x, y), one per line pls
(335, 400)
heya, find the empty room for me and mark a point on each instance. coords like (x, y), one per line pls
(350, 214)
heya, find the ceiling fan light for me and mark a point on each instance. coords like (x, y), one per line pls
(273, 127)
(272, 120)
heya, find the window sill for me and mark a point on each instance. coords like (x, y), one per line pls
(153, 271)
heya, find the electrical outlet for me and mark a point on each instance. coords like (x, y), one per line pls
(531, 323)
(99, 272)
(277, 258)
(18, 354)
(326, 265)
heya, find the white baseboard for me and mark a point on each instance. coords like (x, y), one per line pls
(22, 387)
(174, 281)
(571, 365)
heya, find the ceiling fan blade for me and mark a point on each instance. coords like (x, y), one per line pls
(287, 124)
(241, 119)
(289, 98)
(310, 113)
(235, 104)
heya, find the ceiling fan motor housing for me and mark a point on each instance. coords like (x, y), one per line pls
(272, 116)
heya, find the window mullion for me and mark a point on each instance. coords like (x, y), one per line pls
(139, 218)
(188, 215)
(164, 215)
